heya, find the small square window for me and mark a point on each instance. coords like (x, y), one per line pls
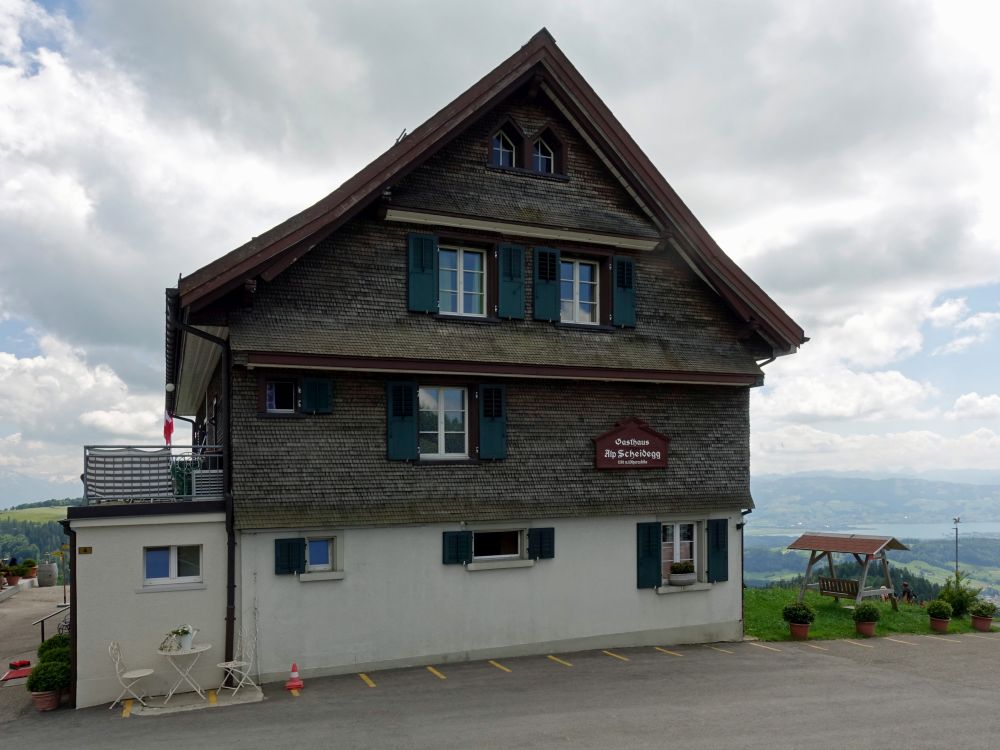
(319, 555)
(497, 545)
(174, 564)
(280, 396)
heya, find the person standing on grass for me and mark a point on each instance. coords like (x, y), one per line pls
(907, 595)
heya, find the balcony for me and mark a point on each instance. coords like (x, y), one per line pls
(152, 474)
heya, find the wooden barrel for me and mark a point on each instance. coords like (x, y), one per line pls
(48, 573)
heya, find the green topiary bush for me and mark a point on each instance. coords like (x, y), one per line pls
(867, 612)
(959, 594)
(939, 610)
(799, 613)
(50, 676)
(983, 608)
(56, 643)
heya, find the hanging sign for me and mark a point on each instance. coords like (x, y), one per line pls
(631, 444)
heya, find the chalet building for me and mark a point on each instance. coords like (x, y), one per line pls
(474, 403)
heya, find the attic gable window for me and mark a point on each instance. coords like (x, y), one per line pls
(281, 396)
(543, 158)
(504, 153)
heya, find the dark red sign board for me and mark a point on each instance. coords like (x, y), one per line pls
(631, 444)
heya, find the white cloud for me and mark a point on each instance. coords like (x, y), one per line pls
(980, 327)
(948, 312)
(974, 406)
(39, 459)
(795, 448)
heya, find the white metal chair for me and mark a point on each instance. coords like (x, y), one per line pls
(238, 670)
(126, 677)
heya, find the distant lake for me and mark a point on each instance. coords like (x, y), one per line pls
(899, 530)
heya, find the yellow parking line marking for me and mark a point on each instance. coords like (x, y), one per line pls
(855, 643)
(616, 656)
(813, 645)
(761, 645)
(294, 692)
(212, 698)
(945, 640)
(499, 666)
(366, 679)
(896, 640)
(984, 637)
(716, 648)
(436, 673)
(126, 708)
(557, 660)
(665, 651)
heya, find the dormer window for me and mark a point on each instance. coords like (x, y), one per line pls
(504, 152)
(543, 158)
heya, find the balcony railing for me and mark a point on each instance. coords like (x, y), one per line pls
(149, 474)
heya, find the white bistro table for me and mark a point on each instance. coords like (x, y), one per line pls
(183, 662)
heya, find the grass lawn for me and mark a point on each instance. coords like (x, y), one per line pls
(39, 515)
(762, 615)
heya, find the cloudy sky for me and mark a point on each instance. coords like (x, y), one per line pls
(846, 154)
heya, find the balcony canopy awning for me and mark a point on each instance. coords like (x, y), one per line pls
(851, 544)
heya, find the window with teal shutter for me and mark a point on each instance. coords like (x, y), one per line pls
(541, 544)
(648, 549)
(422, 287)
(457, 547)
(289, 556)
(718, 550)
(401, 421)
(623, 303)
(317, 396)
(492, 422)
(545, 276)
(510, 302)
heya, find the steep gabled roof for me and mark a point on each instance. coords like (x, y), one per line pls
(269, 254)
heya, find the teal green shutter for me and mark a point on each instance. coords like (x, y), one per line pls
(457, 547)
(623, 302)
(510, 265)
(648, 546)
(289, 556)
(401, 421)
(718, 550)
(546, 283)
(317, 396)
(493, 421)
(422, 285)
(541, 544)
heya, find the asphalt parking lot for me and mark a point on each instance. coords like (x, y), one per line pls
(915, 691)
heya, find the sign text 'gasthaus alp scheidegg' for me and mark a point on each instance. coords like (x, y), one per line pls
(631, 444)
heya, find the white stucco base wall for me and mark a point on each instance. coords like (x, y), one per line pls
(396, 604)
(113, 604)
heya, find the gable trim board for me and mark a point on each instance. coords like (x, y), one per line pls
(284, 244)
(445, 367)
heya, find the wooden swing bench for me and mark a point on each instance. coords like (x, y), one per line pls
(840, 588)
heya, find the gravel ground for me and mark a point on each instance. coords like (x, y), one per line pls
(19, 639)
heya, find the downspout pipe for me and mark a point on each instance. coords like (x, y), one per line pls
(227, 397)
(65, 523)
(743, 582)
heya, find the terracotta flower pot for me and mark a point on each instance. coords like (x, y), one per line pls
(47, 701)
(865, 628)
(799, 630)
(940, 626)
(13, 580)
(32, 572)
(982, 624)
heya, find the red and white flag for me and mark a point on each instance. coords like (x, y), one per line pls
(168, 427)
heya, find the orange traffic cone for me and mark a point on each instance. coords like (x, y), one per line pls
(294, 682)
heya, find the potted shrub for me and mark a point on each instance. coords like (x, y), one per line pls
(47, 681)
(682, 574)
(982, 613)
(940, 614)
(866, 615)
(30, 568)
(14, 574)
(799, 616)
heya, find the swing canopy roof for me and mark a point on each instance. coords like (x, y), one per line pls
(848, 543)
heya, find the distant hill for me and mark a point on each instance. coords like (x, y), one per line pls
(817, 501)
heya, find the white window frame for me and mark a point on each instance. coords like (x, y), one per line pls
(295, 395)
(576, 291)
(497, 146)
(522, 545)
(331, 551)
(441, 455)
(676, 542)
(172, 576)
(539, 157)
(460, 280)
